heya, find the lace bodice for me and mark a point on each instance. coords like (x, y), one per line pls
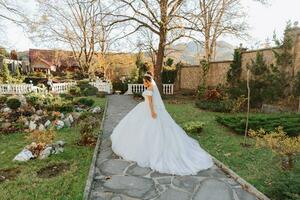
(147, 93)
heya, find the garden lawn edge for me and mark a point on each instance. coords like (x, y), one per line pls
(90, 177)
(247, 186)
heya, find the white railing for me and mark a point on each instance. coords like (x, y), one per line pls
(168, 88)
(15, 88)
(139, 88)
(62, 87)
(40, 90)
(56, 88)
(102, 86)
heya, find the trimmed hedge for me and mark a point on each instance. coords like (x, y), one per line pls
(13, 103)
(216, 106)
(86, 102)
(289, 122)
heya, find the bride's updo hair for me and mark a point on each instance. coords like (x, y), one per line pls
(149, 73)
(147, 77)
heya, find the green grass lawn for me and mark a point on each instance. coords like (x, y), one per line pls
(28, 186)
(257, 166)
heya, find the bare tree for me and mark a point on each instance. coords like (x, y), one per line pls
(158, 17)
(11, 11)
(78, 25)
(215, 18)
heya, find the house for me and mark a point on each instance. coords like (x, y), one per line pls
(52, 60)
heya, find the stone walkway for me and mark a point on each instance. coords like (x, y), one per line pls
(117, 179)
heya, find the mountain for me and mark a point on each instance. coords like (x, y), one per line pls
(189, 52)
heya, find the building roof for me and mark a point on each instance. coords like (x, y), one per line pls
(57, 58)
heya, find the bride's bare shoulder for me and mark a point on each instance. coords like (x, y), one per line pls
(150, 87)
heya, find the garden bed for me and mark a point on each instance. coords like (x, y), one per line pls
(259, 167)
(66, 172)
(289, 122)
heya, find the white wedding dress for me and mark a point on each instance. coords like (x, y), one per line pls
(158, 143)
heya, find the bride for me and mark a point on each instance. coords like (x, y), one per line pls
(149, 136)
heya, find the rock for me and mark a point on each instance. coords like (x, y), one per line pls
(45, 153)
(113, 166)
(35, 117)
(32, 125)
(24, 155)
(71, 119)
(6, 110)
(67, 122)
(213, 189)
(5, 125)
(75, 116)
(78, 109)
(96, 110)
(39, 112)
(57, 148)
(42, 127)
(59, 124)
(62, 116)
(47, 123)
(26, 123)
(60, 143)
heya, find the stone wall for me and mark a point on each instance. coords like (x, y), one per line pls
(189, 77)
(248, 56)
(217, 73)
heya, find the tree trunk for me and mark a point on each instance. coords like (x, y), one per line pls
(159, 64)
(248, 106)
(162, 44)
(299, 105)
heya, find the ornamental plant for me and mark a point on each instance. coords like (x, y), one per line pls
(287, 148)
(42, 137)
(13, 103)
(193, 126)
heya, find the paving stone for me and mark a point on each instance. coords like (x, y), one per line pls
(212, 172)
(132, 186)
(164, 180)
(213, 189)
(123, 197)
(101, 195)
(244, 195)
(113, 167)
(158, 174)
(136, 170)
(173, 194)
(104, 155)
(187, 183)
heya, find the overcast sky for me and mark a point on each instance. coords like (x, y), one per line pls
(263, 21)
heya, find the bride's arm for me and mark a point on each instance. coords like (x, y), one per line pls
(150, 100)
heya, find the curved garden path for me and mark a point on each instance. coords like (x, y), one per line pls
(116, 179)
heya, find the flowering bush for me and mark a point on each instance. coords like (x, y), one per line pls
(193, 127)
(278, 141)
(45, 137)
(213, 94)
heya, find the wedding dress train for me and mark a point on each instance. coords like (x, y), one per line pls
(158, 143)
